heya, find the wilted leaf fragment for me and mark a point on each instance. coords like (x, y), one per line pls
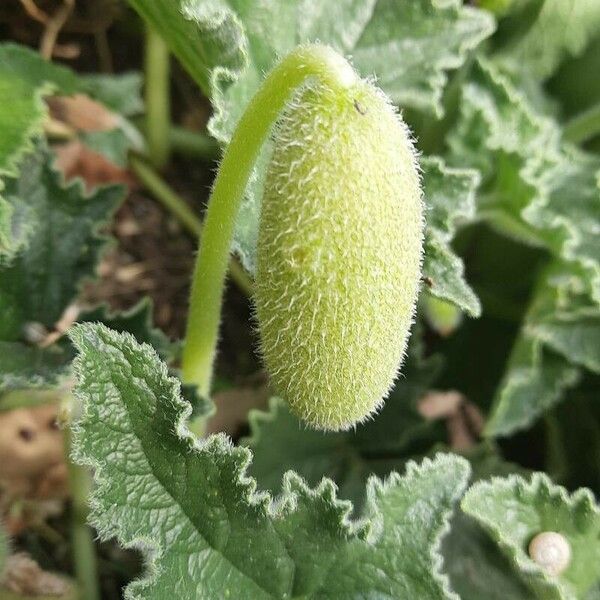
(211, 533)
(514, 510)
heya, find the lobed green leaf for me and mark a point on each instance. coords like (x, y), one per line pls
(450, 202)
(544, 193)
(205, 529)
(43, 279)
(533, 187)
(514, 510)
(561, 29)
(477, 568)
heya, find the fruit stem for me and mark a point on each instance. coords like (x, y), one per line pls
(158, 108)
(308, 61)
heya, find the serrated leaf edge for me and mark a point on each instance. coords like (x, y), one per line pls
(452, 222)
(516, 377)
(581, 500)
(450, 63)
(555, 152)
(274, 507)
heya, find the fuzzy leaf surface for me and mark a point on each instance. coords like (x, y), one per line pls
(514, 510)
(23, 82)
(450, 202)
(535, 380)
(24, 78)
(410, 45)
(562, 29)
(565, 319)
(559, 338)
(543, 193)
(477, 568)
(533, 187)
(206, 36)
(210, 532)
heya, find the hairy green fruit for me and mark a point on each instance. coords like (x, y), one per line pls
(339, 253)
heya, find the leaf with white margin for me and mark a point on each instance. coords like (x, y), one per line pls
(205, 529)
(44, 277)
(562, 29)
(449, 203)
(559, 336)
(514, 510)
(410, 45)
(533, 187)
(25, 79)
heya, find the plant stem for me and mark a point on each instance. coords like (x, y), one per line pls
(158, 119)
(584, 126)
(312, 61)
(192, 143)
(184, 141)
(556, 461)
(177, 205)
(84, 551)
(167, 197)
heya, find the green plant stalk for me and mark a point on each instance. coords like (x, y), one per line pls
(183, 141)
(179, 208)
(193, 143)
(556, 456)
(84, 552)
(167, 197)
(158, 108)
(584, 126)
(236, 167)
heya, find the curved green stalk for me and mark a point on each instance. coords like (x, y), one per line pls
(310, 61)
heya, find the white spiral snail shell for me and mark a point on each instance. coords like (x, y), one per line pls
(551, 551)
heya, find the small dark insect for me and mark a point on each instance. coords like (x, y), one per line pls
(427, 281)
(359, 108)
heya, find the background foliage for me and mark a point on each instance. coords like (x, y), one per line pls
(503, 103)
